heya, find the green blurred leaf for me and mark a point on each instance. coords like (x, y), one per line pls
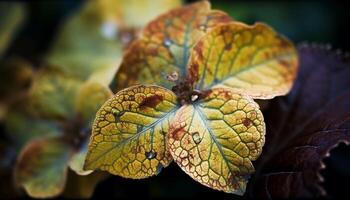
(82, 45)
(12, 15)
(21, 128)
(52, 94)
(89, 99)
(82, 186)
(42, 167)
(77, 161)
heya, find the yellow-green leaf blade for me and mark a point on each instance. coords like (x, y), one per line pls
(42, 167)
(166, 44)
(215, 140)
(128, 132)
(254, 60)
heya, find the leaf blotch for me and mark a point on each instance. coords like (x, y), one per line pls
(150, 102)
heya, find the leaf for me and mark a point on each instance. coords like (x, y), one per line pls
(254, 60)
(304, 126)
(82, 47)
(52, 94)
(42, 166)
(79, 187)
(76, 163)
(12, 16)
(89, 99)
(146, 10)
(128, 132)
(215, 139)
(21, 128)
(165, 45)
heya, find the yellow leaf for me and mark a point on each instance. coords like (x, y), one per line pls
(254, 60)
(215, 139)
(128, 132)
(165, 45)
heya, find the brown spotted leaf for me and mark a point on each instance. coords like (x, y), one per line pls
(128, 135)
(165, 45)
(215, 139)
(253, 60)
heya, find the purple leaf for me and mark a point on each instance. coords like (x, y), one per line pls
(304, 126)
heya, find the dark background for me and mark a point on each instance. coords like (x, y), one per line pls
(301, 21)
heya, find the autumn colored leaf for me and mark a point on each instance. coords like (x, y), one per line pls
(128, 132)
(253, 60)
(41, 167)
(165, 45)
(215, 139)
(304, 126)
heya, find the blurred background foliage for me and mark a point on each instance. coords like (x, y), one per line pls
(80, 43)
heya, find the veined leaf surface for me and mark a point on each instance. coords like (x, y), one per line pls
(254, 60)
(215, 139)
(166, 44)
(128, 136)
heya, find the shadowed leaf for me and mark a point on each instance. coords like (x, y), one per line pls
(128, 132)
(254, 60)
(304, 126)
(215, 139)
(79, 187)
(42, 166)
(12, 15)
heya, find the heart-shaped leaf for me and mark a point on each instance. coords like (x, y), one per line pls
(42, 167)
(128, 136)
(215, 139)
(166, 44)
(253, 60)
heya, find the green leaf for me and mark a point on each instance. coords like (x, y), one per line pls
(22, 128)
(52, 94)
(82, 187)
(12, 15)
(215, 139)
(128, 135)
(89, 99)
(82, 47)
(42, 167)
(254, 60)
(76, 163)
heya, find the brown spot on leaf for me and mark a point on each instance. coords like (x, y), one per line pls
(283, 62)
(150, 102)
(193, 72)
(199, 49)
(247, 122)
(176, 133)
(228, 46)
